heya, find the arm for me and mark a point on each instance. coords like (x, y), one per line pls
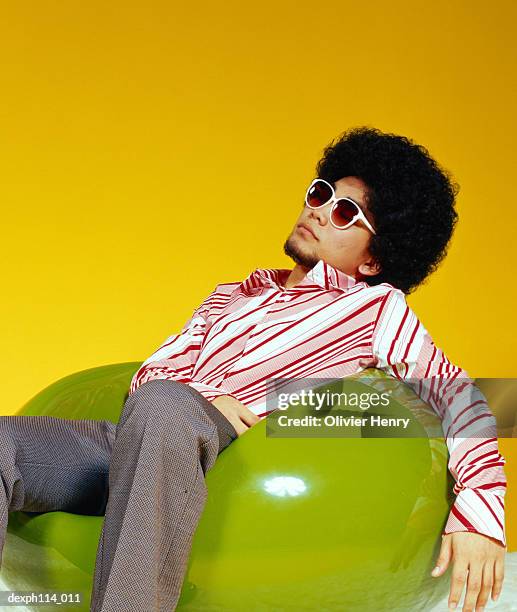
(405, 350)
(176, 357)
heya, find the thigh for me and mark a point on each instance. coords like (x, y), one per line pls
(57, 463)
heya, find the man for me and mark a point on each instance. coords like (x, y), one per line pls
(375, 223)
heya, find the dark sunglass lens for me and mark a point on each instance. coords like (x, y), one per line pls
(344, 212)
(319, 194)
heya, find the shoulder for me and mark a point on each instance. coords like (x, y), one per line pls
(224, 291)
(227, 288)
(218, 298)
(383, 293)
(396, 323)
(394, 304)
(393, 312)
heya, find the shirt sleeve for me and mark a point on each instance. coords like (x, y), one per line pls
(403, 348)
(177, 355)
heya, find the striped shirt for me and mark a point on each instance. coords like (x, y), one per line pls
(332, 326)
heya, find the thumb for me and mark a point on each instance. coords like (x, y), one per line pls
(443, 558)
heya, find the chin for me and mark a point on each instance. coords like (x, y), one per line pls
(294, 250)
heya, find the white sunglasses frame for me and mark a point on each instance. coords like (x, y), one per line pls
(334, 200)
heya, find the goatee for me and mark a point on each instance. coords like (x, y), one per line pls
(297, 255)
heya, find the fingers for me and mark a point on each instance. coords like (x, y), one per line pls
(250, 418)
(498, 578)
(238, 425)
(478, 565)
(443, 558)
(486, 586)
(474, 582)
(235, 420)
(230, 415)
(239, 415)
(458, 579)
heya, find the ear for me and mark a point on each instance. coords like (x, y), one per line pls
(369, 268)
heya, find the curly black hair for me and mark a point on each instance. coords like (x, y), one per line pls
(410, 197)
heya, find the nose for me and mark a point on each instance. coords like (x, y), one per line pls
(320, 214)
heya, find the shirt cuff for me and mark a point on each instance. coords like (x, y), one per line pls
(478, 511)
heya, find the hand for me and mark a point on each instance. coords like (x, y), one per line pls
(482, 557)
(239, 415)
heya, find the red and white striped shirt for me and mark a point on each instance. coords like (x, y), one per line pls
(332, 326)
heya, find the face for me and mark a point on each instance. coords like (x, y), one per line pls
(346, 250)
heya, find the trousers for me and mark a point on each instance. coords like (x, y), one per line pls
(145, 475)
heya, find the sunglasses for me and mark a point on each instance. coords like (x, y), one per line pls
(344, 212)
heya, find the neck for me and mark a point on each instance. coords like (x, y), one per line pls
(296, 275)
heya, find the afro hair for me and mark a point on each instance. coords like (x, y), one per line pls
(410, 197)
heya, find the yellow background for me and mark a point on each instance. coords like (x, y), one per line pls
(152, 150)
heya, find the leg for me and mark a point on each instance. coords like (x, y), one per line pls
(167, 437)
(48, 463)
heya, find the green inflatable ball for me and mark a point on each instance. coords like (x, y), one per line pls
(292, 521)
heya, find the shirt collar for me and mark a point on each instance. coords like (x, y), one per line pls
(322, 274)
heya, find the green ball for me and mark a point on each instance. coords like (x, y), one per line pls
(343, 522)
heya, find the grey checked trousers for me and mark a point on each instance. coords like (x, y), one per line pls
(146, 474)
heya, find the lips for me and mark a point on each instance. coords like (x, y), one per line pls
(306, 227)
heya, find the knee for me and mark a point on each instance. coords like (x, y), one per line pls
(158, 399)
(160, 391)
